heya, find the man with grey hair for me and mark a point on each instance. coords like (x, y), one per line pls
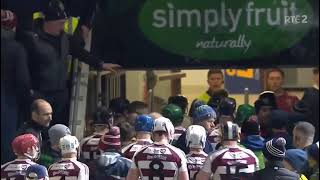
(303, 135)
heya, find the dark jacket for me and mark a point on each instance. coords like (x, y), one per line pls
(311, 99)
(275, 171)
(181, 144)
(48, 58)
(111, 165)
(32, 128)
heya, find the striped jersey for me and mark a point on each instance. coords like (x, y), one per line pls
(132, 148)
(15, 169)
(195, 163)
(159, 161)
(231, 162)
(68, 169)
(89, 147)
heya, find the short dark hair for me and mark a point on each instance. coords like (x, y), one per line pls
(306, 128)
(275, 70)
(136, 107)
(127, 131)
(214, 71)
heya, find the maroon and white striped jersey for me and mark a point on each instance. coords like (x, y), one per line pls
(89, 147)
(161, 161)
(132, 148)
(68, 168)
(177, 132)
(214, 138)
(231, 162)
(16, 169)
(195, 163)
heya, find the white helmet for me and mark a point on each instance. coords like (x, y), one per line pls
(69, 144)
(164, 124)
(196, 136)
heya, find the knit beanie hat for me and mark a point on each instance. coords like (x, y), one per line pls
(56, 132)
(297, 159)
(111, 140)
(274, 150)
(36, 171)
(251, 126)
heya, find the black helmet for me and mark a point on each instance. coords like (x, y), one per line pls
(180, 101)
(216, 97)
(227, 106)
(103, 116)
(119, 105)
(266, 98)
(54, 10)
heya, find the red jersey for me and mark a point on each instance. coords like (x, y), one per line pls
(89, 147)
(231, 162)
(15, 169)
(68, 168)
(132, 148)
(285, 101)
(162, 161)
(195, 163)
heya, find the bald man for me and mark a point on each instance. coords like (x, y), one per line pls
(41, 116)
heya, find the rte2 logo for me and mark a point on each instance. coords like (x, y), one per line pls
(297, 19)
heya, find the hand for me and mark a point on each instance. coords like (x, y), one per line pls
(7, 15)
(111, 67)
(85, 31)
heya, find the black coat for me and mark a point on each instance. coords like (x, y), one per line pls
(275, 171)
(311, 100)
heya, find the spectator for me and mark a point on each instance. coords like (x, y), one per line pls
(220, 162)
(275, 79)
(14, 84)
(160, 160)
(296, 160)
(136, 108)
(251, 139)
(274, 151)
(127, 134)
(279, 120)
(143, 128)
(313, 160)
(215, 81)
(180, 101)
(175, 114)
(69, 167)
(311, 100)
(263, 107)
(196, 139)
(244, 111)
(50, 151)
(303, 135)
(25, 147)
(50, 77)
(110, 164)
(41, 116)
(37, 172)
(204, 116)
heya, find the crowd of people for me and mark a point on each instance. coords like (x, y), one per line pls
(273, 139)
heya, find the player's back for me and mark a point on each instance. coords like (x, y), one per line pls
(195, 163)
(160, 161)
(15, 169)
(233, 162)
(132, 148)
(68, 169)
(89, 148)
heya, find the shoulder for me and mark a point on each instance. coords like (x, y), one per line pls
(204, 97)
(127, 147)
(177, 151)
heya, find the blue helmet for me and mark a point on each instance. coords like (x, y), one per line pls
(144, 123)
(204, 112)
